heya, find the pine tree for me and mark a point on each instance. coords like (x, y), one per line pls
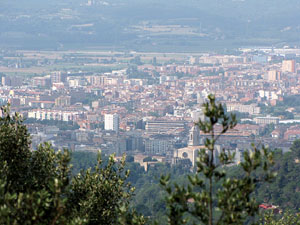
(200, 201)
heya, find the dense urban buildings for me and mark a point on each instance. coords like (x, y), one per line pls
(148, 106)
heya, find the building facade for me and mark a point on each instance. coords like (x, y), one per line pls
(111, 122)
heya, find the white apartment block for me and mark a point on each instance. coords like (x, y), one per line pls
(41, 114)
(266, 120)
(252, 109)
(111, 122)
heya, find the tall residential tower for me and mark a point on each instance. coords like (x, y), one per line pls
(111, 122)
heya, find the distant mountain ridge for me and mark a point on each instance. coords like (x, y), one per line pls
(224, 23)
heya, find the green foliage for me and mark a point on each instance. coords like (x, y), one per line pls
(268, 129)
(291, 101)
(136, 60)
(36, 187)
(33, 183)
(296, 149)
(14, 150)
(149, 159)
(82, 161)
(129, 158)
(280, 109)
(149, 200)
(232, 202)
(284, 190)
(287, 218)
(35, 207)
(97, 194)
(149, 197)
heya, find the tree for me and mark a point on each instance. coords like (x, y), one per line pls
(149, 159)
(296, 149)
(36, 187)
(14, 150)
(232, 202)
(284, 190)
(32, 183)
(287, 218)
(136, 60)
(268, 129)
(154, 61)
(98, 195)
(129, 158)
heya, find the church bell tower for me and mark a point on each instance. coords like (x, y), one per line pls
(194, 137)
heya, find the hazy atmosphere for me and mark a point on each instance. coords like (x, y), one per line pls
(143, 112)
(148, 25)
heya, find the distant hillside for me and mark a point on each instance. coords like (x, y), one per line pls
(148, 24)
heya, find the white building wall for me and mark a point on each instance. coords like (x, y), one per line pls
(111, 122)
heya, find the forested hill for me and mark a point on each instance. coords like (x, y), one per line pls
(169, 25)
(285, 190)
(149, 198)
